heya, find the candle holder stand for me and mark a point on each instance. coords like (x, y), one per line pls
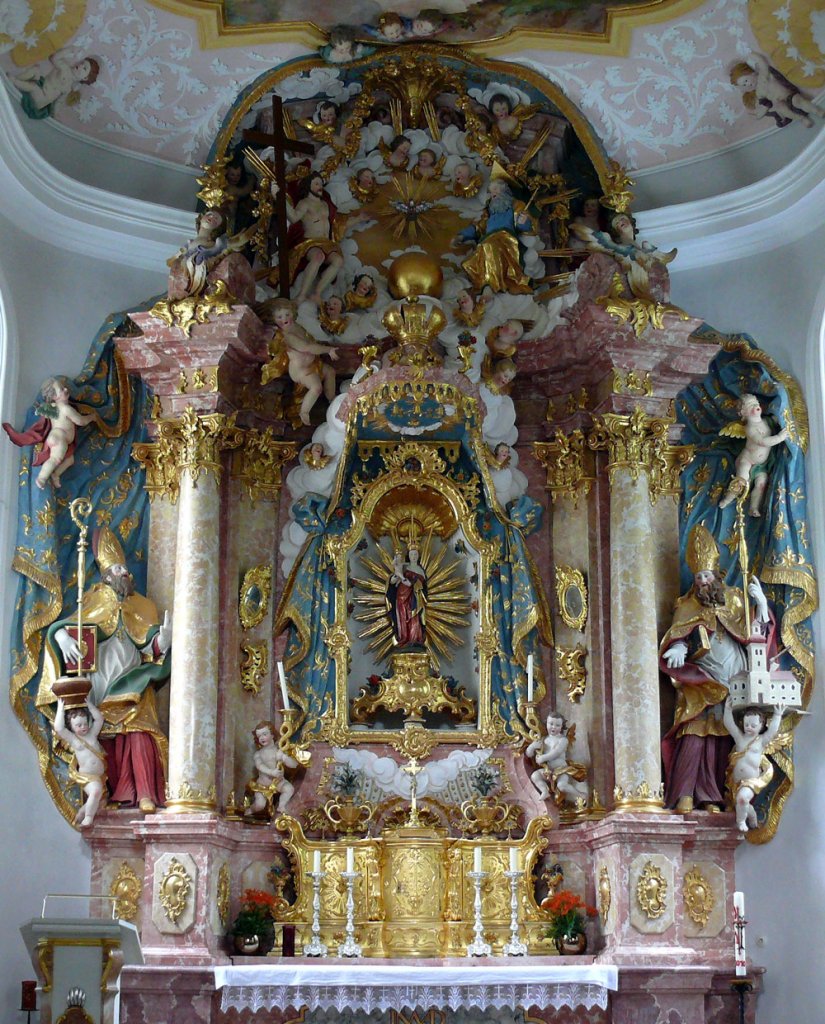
(349, 947)
(741, 986)
(315, 947)
(515, 947)
(478, 947)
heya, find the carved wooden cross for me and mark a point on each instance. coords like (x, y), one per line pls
(281, 145)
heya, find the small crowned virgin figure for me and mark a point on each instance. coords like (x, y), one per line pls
(407, 599)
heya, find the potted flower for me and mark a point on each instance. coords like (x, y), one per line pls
(566, 929)
(254, 928)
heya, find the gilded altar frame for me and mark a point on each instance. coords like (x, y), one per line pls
(462, 499)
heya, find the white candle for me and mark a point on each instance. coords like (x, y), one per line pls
(514, 858)
(316, 861)
(476, 858)
(282, 679)
(739, 934)
(350, 859)
(529, 678)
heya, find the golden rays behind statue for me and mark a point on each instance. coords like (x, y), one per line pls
(414, 596)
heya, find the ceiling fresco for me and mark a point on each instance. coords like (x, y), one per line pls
(658, 82)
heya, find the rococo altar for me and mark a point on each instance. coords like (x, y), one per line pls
(416, 565)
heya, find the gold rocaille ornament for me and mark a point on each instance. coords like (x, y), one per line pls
(415, 273)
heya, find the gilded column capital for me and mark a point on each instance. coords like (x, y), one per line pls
(638, 442)
(259, 461)
(192, 444)
(568, 464)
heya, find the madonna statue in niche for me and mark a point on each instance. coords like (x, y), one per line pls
(407, 599)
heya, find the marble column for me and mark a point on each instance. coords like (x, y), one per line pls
(641, 465)
(196, 443)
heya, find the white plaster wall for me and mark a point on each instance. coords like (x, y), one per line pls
(51, 305)
(779, 298)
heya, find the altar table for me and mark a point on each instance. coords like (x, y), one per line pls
(438, 984)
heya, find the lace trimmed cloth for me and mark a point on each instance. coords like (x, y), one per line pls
(368, 987)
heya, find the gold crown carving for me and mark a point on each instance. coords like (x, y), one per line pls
(702, 552)
(108, 551)
(413, 324)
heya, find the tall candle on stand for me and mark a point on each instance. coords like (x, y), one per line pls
(529, 678)
(514, 858)
(476, 858)
(739, 934)
(350, 859)
(282, 680)
(316, 862)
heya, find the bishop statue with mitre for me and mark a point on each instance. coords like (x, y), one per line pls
(128, 659)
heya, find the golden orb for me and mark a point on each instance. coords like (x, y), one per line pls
(415, 273)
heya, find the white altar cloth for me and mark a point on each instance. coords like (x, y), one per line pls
(442, 984)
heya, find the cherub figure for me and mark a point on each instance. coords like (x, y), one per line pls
(270, 762)
(331, 315)
(315, 457)
(499, 457)
(469, 310)
(362, 295)
(428, 165)
(749, 770)
(508, 120)
(752, 462)
(767, 93)
(42, 92)
(56, 430)
(390, 27)
(500, 376)
(323, 127)
(364, 186)
(556, 772)
(302, 360)
(428, 22)
(78, 729)
(465, 184)
(343, 45)
(397, 154)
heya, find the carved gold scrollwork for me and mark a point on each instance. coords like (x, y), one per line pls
(605, 894)
(254, 596)
(698, 896)
(45, 960)
(631, 383)
(126, 887)
(573, 671)
(571, 594)
(174, 889)
(639, 442)
(567, 462)
(191, 444)
(222, 896)
(651, 891)
(254, 665)
(195, 309)
(638, 312)
(259, 462)
(412, 688)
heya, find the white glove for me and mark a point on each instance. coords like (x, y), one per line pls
(757, 593)
(164, 637)
(69, 647)
(675, 654)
